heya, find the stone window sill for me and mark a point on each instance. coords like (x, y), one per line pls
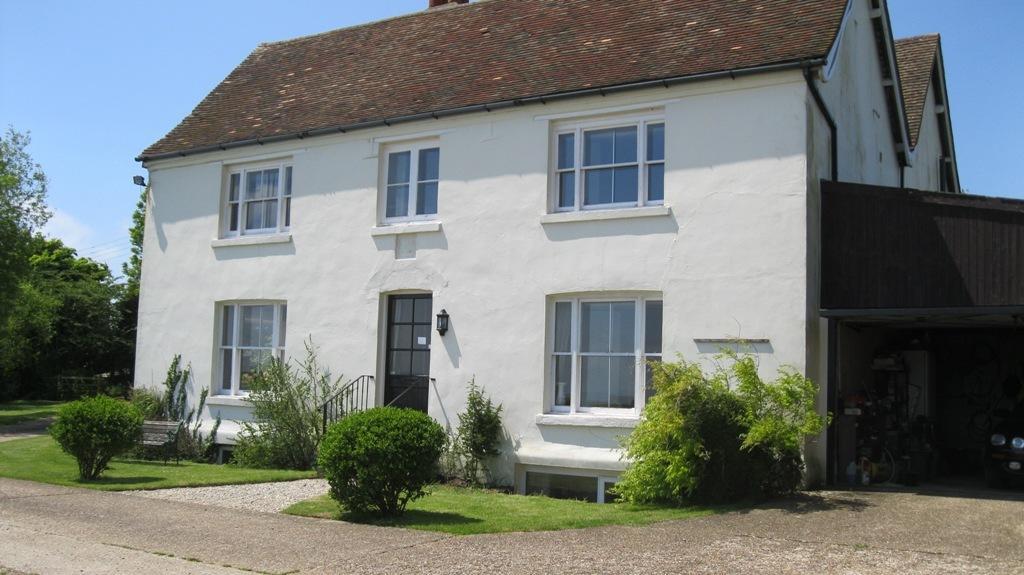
(228, 400)
(588, 420)
(254, 240)
(400, 229)
(610, 214)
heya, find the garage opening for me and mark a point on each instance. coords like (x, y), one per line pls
(919, 402)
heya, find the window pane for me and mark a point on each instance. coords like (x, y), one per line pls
(623, 327)
(402, 310)
(598, 147)
(225, 369)
(563, 379)
(421, 337)
(594, 321)
(257, 326)
(655, 142)
(233, 224)
(563, 327)
(652, 327)
(401, 337)
(288, 181)
(270, 214)
(401, 363)
(227, 325)
(426, 199)
(251, 362)
(566, 151)
(429, 168)
(233, 187)
(398, 201)
(656, 182)
(566, 189)
(421, 363)
(254, 215)
(626, 184)
(562, 486)
(261, 184)
(594, 377)
(625, 145)
(622, 384)
(649, 376)
(287, 212)
(398, 167)
(283, 326)
(423, 309)
(598, 185)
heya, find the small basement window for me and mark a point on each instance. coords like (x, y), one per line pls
(563, 486)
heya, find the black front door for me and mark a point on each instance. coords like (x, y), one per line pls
(407, 363)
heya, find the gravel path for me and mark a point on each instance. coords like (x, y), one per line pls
(260, 497)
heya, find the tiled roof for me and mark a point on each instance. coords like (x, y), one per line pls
(915, 58)
(494, 51)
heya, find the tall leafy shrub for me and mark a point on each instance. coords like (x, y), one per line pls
(719, 436)
(172, 405)
(479, 433)
(287, 425)
(95, 430)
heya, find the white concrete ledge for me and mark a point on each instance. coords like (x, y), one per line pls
(600, 215)
(228, 400)
(254, 240)
(410, 228)
(570, 456)
(588, 420)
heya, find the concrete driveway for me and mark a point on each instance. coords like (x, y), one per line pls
(47, 529)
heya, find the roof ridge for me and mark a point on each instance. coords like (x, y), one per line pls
(928, 35)
(437, 10)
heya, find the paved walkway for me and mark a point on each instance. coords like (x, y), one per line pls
(25, 429)
(49, 529)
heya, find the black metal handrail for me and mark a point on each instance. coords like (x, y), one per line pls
(356, 395)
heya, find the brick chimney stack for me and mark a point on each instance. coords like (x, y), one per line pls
(440, 3)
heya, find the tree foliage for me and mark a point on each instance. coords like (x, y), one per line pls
(479, 433)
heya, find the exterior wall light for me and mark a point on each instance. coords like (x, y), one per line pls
(442, 322)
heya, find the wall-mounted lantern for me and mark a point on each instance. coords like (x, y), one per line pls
(442, 322)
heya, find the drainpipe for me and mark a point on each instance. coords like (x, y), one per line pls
(833, 129)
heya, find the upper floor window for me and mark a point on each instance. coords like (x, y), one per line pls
(250, 335)
(609, 165)
(599, 353)
(410, 190)
(258, 200)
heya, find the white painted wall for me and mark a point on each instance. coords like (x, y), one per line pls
(923, 173)
(730, 260)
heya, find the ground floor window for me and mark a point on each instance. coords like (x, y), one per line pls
(250, 334)
(562, 486)
(600, 348)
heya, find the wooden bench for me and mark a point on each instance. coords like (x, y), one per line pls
(162, 435)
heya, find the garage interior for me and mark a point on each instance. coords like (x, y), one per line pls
(925, 306)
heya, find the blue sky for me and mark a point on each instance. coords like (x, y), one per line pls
(96, 82)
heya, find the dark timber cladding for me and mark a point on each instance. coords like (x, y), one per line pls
(889, 248)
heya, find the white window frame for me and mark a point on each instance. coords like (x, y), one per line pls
(414, 149)
(284, 196)
(277, 347)
(640, 122)
(639, 345)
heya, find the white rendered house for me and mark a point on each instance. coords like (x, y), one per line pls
(581, 186)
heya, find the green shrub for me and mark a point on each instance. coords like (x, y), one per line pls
(379, 460)
(149, 403)
(479, 433)
(287, 424)
(721, 436)
(95, 430)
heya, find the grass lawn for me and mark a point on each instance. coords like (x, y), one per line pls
(464, 511)
(27, 410)
(41, 459)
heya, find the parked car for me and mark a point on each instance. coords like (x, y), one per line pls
(1004, 456)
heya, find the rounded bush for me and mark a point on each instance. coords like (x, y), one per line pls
(377, 461)
(95, 430)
